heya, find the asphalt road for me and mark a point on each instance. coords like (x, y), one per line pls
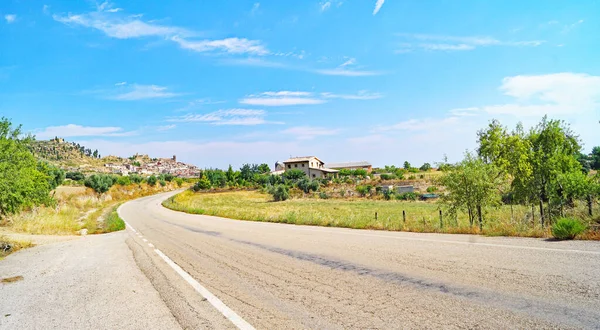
(278, 276)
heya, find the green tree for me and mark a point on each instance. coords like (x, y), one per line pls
(473, 187)
(202, 184)
(425, 167)
(595, 158)
(22, 184)
(152, 180)
(294, 174)
(101, 183)
(231, 175)
(179, 182)
(56, 176)
(407, 165)
(264, 169)
(75, 176)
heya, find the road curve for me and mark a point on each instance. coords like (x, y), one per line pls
(278, 276)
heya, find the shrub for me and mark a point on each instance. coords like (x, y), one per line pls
(431, 189)
(363, 190)
(387, 176)
(294, 174)
(567, 228)
(168, 177)
(412, 177)
(136, 178)
(75, 176)
(101, 183)
(280, 192)
(408, 196)
(202, 184)
(123, 181)
(360, 173)
(307, 185)
(345, 172)
(388, 194)
(179, 182)
(323, 195)
(162, 183)
(152, 180)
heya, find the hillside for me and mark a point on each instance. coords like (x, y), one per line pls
(72, 156)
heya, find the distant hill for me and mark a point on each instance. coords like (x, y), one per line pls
(72, 156)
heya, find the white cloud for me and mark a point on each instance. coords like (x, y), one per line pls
(72, 130)
(120, 28)
(166, 127)
(378, 5)
(349, 62)
(281, 98)
(126, 27)
(348, 72)
(10, 18)
(253, 61)
(309, 132)
(324, 5)
(569, 27)
(121, 83)
(142, 92)
(361, 95)
(46, 9)
(238, 117)
(433, 42)
(229, 45)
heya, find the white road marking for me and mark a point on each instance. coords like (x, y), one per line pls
(151, 245)
(130, 226)
(145, 240)
(216, 302)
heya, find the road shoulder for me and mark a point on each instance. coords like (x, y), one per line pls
(90, 282)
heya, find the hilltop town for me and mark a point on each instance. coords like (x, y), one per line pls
(74, 157)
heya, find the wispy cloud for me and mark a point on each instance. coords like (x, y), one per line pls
(166, 127)
(255, 8)
(122, 83)
(309, 132)
(107, 20)
(378, 5)
(361, 95)
(142, 92)
(326, 5)
(348, 72)
(229, 45)
(281, 98)
(10, 18)
(253, 61)
(348, 68)
(238, 117)
(569, 27)
(72, 130)
(433, 42)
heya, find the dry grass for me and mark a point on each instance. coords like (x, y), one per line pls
(356, 213)
(9, 245)
(77, 209)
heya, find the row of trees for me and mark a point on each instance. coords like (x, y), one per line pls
(537, 167)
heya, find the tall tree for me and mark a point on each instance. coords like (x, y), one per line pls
(22, 184)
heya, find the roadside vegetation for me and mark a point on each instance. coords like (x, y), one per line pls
(534, 183)
(33, 199)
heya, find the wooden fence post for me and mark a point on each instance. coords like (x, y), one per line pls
(375, 216)
(441, 220)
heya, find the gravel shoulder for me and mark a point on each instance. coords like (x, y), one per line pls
(90, 282)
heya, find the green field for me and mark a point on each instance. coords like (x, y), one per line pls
(354, 213)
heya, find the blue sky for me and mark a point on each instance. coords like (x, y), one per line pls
(230, 82)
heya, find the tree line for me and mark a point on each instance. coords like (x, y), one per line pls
(542, 168)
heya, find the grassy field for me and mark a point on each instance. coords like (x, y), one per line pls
(79, 208)
(356, 213)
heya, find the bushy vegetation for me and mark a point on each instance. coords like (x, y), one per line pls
(101, 183)
(113, 222)
(24, 182)
(567, 228)
(280, 192)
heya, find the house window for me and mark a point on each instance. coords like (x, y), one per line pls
(302, 165)
(289, 166)
(314, 176)
(295, 165)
